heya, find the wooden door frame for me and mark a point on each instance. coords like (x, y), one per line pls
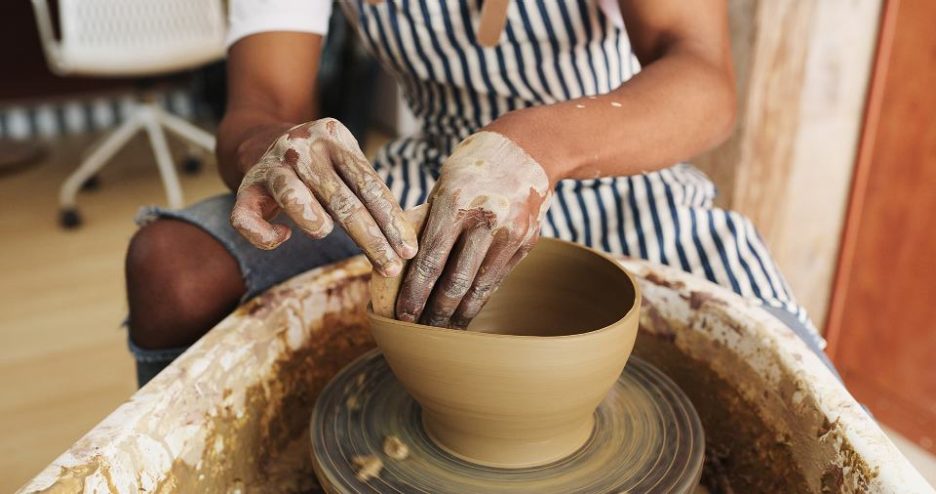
(872, 117)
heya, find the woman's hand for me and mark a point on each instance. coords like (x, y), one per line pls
(485, 215)
(317, 174)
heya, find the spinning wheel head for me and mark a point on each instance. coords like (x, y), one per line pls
(646, 438)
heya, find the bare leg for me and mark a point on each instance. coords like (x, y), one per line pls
(180, 283)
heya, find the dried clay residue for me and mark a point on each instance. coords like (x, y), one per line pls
(743, 453)
(395, 448)
(367, 466)
(353, 403)
(656, 279)
(279, 414)
(661, 326)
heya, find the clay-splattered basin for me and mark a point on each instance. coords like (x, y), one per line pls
(520, 387)
(232, 413)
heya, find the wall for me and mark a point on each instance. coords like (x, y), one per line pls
(803, 67)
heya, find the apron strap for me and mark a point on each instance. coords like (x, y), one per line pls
(493, 20)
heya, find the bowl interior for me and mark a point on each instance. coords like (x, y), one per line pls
(559, 289)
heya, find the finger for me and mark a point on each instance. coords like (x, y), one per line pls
(383, 290)
(458, 277)
(294, 197)
(348, 210)
(438, 238)
(360, 177)
(253, 207)
(500, 261)
(522, 252)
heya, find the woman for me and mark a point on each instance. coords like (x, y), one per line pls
(554, 129)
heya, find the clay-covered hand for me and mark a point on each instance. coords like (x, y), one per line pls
(317, 174)
(485, 214)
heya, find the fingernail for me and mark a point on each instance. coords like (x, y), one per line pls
(409, 251)
(392, 269)
(439, 323)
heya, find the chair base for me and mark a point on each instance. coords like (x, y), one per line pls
(153, 119)
(69, 218)
(91, 184)
(192, 165)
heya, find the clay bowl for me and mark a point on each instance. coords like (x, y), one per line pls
(520, 387)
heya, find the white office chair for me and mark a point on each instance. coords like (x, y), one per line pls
(131, 38)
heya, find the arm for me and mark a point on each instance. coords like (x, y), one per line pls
(314, 172)
(271, 87)
(681, 104)
(493, 191)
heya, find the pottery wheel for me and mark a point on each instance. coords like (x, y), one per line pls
(647, 438)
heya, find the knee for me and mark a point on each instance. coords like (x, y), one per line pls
(178, 284)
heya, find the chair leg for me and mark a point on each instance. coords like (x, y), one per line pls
(192, 164)
(163, 159)
(185, 130)
(103, 152)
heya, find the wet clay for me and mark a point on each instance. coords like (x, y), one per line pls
(384, 289)
(519, 388)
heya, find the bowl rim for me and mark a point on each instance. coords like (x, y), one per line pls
(633, 311)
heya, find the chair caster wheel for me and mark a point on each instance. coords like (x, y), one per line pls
(192, 165)
(91, 184)
(69, 218)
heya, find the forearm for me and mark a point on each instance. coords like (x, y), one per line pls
(677, 107)
(243, 136)
(271, 87)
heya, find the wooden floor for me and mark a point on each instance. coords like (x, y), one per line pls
(63, 358)
(63, 361)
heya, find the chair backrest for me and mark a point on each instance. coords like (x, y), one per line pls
(139, 37)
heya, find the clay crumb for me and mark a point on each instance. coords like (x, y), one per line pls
(352, 403)
(580, 106)
(615, 104)
(659, 280)
(368, 467)
(826, 427)
(395, 448)
(359, 380)
(696, 299)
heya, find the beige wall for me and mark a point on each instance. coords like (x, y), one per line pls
(803, 68)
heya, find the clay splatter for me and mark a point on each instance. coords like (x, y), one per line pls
(368, 467)
(395, 448)
(317, 174)
(497, 214)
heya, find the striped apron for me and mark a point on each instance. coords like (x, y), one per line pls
(550, 51)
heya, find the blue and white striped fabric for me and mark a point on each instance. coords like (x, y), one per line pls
(554, 50)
